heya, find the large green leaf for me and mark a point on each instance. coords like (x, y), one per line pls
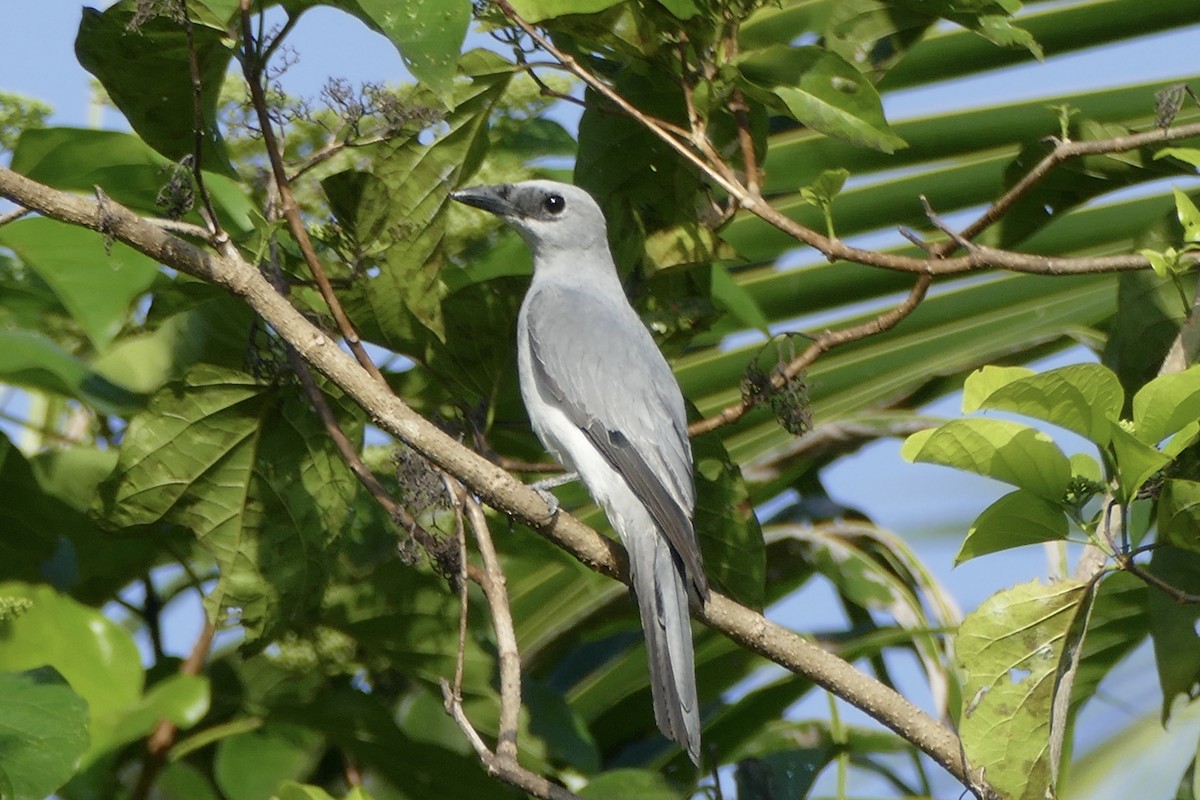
(90, 651)
(253, 765)
(1018, 653)
(1000, 449)
(428, 35)
(123, 166)
(401, 306)
(253, 475)
(144, 69)
(821, 90)
(97, 281)
(1084, 398)
(43, 732)
(1018, 518)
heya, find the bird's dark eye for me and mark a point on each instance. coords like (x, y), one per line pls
(554, 204)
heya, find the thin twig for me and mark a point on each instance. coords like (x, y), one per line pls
(207, 210)
(291, 210)
(13, 216)
(502, 621)
(823, 343)
(164, 733)
(506, 770)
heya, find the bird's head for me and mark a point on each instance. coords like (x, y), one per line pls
(556, 219)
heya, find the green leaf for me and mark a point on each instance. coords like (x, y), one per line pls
(1000, 449)
(1166, 405)
(539, 10)
(181, 699)
(821, 90)
(401, 307)
(43, 732)
(686, 244)
(97, 281)
(1018, 518)
(146, 74)
(1173, 625)
(213, 327)
(252, 765)
(362, 726)
(1189, 216)
(1016, 649)
(732, 296)
(95, 655)
(629, 784)
(1084, 398)
(127, 169)
(1137, 462)
(555, 722)
(346, 192)
(1119, 623)
(252, 474)
(35, 361)
(1179, 514)
(1143, 329)
(1189, 155)
(726, 525)
(290, 790)
(783, 759)
(429, 36)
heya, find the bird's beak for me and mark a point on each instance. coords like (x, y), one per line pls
(495, 199)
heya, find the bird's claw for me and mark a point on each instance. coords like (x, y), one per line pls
(551, 501)
(544, 486)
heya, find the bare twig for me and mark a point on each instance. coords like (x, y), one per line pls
(506, 770)
(502, 621)
(164, 733)
(826, 341)
(13, 216)
(207, 211)
(252, 67)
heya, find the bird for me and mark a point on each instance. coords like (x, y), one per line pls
(604, 402)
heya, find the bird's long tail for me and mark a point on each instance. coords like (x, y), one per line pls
(660, 585)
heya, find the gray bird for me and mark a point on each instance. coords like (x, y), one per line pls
(604, 402)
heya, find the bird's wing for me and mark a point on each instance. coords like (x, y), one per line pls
(594, 359)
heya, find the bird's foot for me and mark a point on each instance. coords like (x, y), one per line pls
(544, 486)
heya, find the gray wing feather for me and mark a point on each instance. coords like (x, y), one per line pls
(600, 364)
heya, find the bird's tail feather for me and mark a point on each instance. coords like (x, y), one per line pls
(662, 597)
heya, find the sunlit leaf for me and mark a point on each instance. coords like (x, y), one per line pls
(1000, 449)
(43, 732)
(95, 655)
(1084, 398)
(96, 281)
(1018, 651)
(1018, 518)
(822, 91)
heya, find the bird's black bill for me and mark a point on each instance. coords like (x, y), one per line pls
(495, 199)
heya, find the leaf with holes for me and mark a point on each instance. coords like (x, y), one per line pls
(1019, 651)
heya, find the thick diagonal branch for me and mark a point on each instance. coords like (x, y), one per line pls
(494, 486)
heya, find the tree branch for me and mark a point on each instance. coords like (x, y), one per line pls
(502, 491)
